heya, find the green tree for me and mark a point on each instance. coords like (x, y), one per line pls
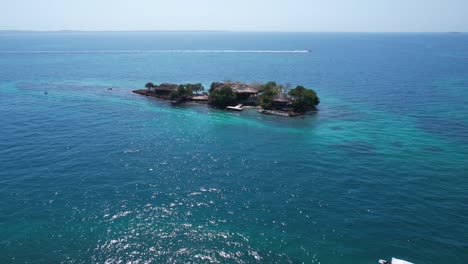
(268, 86)
(304, 99)
(193, 88)
(180, 93)
(223, 97)
(197, 87)
(149, 86)
(268, 92)
(213, 86)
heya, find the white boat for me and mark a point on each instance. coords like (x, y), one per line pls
(395, 261)
(235, 108)
(400, 261)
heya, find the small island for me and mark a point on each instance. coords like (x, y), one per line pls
(269, 98)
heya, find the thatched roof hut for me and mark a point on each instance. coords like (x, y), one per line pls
(281, 98)
(245, 92)
(166, 87)
(280, 101)
(237, 87)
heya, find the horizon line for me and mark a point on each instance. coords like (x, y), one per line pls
(151, 51)
(208, 31)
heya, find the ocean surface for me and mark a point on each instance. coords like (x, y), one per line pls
(89, 175)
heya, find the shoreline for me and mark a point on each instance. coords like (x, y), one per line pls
(268, 98)
(259, 109)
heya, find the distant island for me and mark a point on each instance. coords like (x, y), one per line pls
(269, 98)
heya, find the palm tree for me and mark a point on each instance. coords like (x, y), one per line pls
(149, 86)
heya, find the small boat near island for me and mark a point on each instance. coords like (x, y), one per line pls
(395, 261)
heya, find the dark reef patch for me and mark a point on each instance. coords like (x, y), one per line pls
(357, 147)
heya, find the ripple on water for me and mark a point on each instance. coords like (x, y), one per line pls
(176, 227)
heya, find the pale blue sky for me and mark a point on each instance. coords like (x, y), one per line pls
(238, 15)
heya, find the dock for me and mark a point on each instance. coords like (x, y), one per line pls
(235, 108)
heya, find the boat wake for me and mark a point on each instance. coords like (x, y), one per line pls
(155, 51)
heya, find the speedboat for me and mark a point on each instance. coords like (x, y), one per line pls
(395, 261)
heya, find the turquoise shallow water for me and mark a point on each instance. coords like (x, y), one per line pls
(92, 176)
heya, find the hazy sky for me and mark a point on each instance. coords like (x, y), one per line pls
(241, 15)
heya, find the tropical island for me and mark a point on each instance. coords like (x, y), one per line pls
(269, 98)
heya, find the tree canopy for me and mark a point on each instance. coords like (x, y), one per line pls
(180, 93)
(223, 97)
(149, 85)
(268, 92)
(268, 86)
(194, 87)
(185, 90)
(213, 86)
(304, 99)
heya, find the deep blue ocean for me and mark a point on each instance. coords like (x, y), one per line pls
(89, 175)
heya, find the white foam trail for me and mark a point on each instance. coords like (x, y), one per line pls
(156, 51)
